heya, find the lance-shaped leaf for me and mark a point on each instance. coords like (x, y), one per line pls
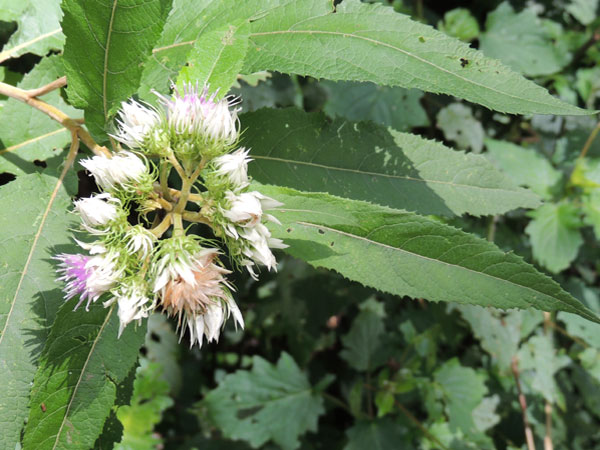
(409, 255)
(106, 45)
(31, 232)
(368, 162)
(76, 384)
(217, 58)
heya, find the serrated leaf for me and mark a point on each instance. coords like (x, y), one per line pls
(555, 235)
(526, 166)
(409, 255)
(458, 124)
(270, 402)
(389, 106)
(362, 342)
(520, 41)
(29, 135)
(31, 232)
(106, 45)
(82, 364)
(463, 390)
(38, 30)
(381, 434)
(357, 42)
(460, 23)
(585, 11)
(216, 58)
(368, 162)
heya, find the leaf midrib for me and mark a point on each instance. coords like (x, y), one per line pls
(80, 378)
(519, 191)
(380, 244)
(105, 68)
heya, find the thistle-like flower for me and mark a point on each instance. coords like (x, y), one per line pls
(88, 276)
(140, 241)
(136, 123)
(124, 170)
(197, 117)
(193, 288)
(97, 212)
(133, 303)
(234, 166)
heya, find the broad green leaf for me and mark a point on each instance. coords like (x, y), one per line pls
(362, 342)
(458, 124)
(29, 135)
(82, 364)
(270, 402)
(216, 58)
(555, 235)
(584, 10)
(356, 42)
(33, 228)
(484, 415)
(362, 42)
(583, 329)
(381, 434)
(463, 391)
(389, 106)
(38, 30)
(368, 162)
(460, 23)
(409, 255)
(520, 41)
(525, 165)
(106, 45)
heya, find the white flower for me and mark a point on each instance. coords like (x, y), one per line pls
(140, 241)
(136, 122)
(247, 209)
(234, 166)
(88, 276)
(122, 169)
(194, 112)
(257, 247)
(193, 289)
(133, 304)
(97, 212)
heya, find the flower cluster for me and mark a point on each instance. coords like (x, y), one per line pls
(139, 267)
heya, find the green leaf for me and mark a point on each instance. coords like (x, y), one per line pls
(526, 166)
(357, 42)
(106, 45)
(38, 30)
(520, 41)
(381, 434)
(584, 10)
(362, 42)
(555, 236)
(463, 390)
(33, 227)
(76, 384)
(460, 23)
(389, 106)
(29, 135)
(216, 58)
(458, 124)
(362, 342)
(368, 162)
(271, 402)
(406, 254)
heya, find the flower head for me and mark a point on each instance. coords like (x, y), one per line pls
(97, 212)
(194, 115)
(88, 276)
(124, 170)
(133, 303)
(140, 241)
(136, 123)
(194, 289)
(234, 166)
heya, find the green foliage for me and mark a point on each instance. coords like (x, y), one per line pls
(584, 10)
(107, 43)
(76, 383)
(410, 172)
(30, 233)
(362, 342)
(521, 41)
(460, 23)
(271, 402)
(382, 434)
(458, 124)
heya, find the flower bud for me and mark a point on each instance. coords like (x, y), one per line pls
(124, 170)
(136, 123)
(234, 166)
(97, 212)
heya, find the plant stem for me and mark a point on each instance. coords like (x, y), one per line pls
(589, 141)
(163, 226)
(177, 167)
(55, 114)
(523, 402)
(164, 180)
(56, 84)
(548, 445)
(195, 217)
(336, 401)
(177, 224)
